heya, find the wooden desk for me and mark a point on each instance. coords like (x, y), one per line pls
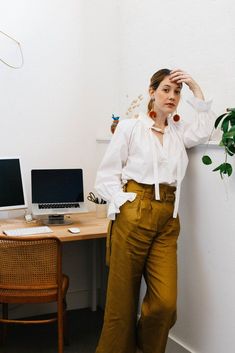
(90, 226)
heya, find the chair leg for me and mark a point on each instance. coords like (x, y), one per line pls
(60, 327)
(4, 326)
(65, 319)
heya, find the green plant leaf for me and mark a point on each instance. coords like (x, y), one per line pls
(229, 152)
(229, 134)
(231, 148)
(206, 160)
(225, 124)
(217, 168)
(225, 139)
(232, 120)
(224, 168)
(218, 120)
(227, 127)
(230, 143)
(232, 129)
(227, 169)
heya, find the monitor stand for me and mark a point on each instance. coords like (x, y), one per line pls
(57, 220)
(4, 214)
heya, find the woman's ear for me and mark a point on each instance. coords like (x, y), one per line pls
(151, 92)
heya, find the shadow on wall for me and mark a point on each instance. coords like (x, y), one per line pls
(193, 281)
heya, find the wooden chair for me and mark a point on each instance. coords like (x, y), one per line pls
(31, 272)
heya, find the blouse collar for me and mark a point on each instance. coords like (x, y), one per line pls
(148, 122)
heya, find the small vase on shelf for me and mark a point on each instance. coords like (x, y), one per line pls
(114, 123)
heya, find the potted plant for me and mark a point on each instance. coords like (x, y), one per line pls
(226, 123)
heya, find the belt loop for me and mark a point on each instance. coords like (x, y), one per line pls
(153, 193)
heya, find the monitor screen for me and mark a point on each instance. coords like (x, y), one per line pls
(11, 184)
(57, 185)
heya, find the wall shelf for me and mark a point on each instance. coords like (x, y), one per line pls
(210, 144)
(104, 139)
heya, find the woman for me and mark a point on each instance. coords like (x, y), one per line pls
(140, 177)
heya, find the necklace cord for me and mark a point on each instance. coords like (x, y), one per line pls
(157, 129)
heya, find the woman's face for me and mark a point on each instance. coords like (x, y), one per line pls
(166, 96)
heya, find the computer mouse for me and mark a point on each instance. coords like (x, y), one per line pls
(74, 230)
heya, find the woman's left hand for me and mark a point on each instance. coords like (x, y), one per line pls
(180, 76)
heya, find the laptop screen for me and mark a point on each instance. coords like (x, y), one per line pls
(57, 185)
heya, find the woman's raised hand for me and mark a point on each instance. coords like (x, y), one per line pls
(180, 76)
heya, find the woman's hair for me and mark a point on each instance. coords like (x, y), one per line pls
(155, 81)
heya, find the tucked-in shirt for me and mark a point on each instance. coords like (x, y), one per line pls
(136, 153)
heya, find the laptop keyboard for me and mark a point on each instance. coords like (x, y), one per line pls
(58, 205)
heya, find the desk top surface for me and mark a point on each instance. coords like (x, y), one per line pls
(90, 226)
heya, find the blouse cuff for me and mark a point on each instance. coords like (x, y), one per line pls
(200, 105)
(117, 201)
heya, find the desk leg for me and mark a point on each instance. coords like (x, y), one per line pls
(104, 272)
(93, 276)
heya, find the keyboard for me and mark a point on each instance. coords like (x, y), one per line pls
(28, 231)
(58, 205)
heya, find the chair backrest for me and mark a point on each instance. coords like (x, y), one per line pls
(30, 264)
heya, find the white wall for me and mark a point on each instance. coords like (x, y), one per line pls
(206, 258)
(194, 35)
(51, 108)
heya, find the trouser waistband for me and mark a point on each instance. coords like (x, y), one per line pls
(167, 192)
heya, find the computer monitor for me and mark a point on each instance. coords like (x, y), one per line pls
(12, 192)
(56, 193)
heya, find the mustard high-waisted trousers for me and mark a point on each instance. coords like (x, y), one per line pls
(143, 241)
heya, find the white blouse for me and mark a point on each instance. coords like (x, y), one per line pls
(135, 153)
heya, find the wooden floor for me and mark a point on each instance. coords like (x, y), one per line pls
(84, 331)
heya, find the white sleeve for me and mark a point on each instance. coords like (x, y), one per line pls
(199, 130)
(108, 182)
